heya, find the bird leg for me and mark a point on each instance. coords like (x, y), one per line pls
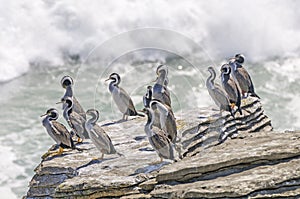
(232, 105)
(46, 154)
(101, 158)
(157, 162)
(161, 160)
(180, 124)
(60, 151)
(79, 140)
(125, 117)
(53, 153)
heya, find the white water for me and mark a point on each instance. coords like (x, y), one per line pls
(37, 39)
(35, 32)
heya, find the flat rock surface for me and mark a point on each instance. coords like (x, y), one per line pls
(223, 157)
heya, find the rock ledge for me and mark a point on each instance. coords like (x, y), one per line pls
(247, 164)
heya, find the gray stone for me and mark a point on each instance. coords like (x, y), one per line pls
(217, 149)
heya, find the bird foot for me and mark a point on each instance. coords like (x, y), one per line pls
(180, 124)
(47, 154)
(95, 159)
(53, 153)
(232, 105)
(157, 162)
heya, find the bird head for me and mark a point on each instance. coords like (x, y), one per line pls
(225, 69)
(66, 81)
(239, 58)
(161, 68)
(52, 112)
(115, 77)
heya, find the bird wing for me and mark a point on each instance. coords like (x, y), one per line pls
(146, 101)
(161, 144)
(78, 108)
(61, 134)
(123, 101)
(171, 127)
(232, 90)
(221, 96)
(128, 101)
(101, 140)
(161, 93)
(248, 79)
(76, 123)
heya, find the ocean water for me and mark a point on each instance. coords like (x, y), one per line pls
(41, 41)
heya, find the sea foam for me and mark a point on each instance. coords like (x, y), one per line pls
(39, 32)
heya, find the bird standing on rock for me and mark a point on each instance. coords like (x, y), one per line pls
(121, 97)
(160, 90)
(98, 136)
(166, 120)
(158, 138)
(57, 131)
(242, 76)
(217, 93)
(67, 83)
(231, 87)
(147, 97)
(75, 121)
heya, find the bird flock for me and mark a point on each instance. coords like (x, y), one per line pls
(236, 84)
(160, 128)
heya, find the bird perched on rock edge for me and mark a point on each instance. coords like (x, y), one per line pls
(242, 76)
(121, 97)
(231, 87)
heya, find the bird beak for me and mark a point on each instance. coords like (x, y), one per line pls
(232, 59)
(43, 115)
(107, 79)
(59, 102)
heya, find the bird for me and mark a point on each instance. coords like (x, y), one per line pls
(75, 121)
(160, 90)
(166, 120)
(57, 131)
(146, 100)
(242, 76)
(231, 87)
(67, 83)
(121, 97)
(98, 136)
(147, 97)
(157, 138)
(218, 95)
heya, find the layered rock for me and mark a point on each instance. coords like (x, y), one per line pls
(261, 164)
